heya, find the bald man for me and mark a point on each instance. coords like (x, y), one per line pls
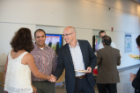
(76, 55)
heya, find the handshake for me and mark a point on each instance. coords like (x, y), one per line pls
(52, 78)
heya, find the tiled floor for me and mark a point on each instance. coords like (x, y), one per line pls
(123, 87)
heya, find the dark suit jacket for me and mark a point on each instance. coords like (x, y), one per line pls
(65, 61)
(107, 60)
(136, 82)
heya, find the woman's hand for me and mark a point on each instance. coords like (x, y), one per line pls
(132, 77)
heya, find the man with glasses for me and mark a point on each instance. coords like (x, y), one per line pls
(78, 59)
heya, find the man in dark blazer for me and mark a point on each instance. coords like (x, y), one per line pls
(76, 55)
(107, 60)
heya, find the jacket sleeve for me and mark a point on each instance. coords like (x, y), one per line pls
(119, 59)
(99, 57)
(60, 66)
(136, 81)
(92, 57)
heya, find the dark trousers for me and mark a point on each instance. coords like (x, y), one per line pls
(83, 86)
(103, 88)
(44, 86)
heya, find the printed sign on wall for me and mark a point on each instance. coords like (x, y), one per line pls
(128, 42)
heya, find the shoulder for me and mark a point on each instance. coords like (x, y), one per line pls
(35, 47)
(115, 49)
(100, 50)
(49, 48)
(83, 41)
(64, 47)
(28, 56)
(104, 49)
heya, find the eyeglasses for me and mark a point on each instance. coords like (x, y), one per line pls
(66, 34)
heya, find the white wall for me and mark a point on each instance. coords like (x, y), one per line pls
(59, 30)
(86, 15)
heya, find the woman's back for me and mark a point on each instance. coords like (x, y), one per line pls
(18, 75)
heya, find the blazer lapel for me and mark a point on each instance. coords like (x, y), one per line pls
(69, 55)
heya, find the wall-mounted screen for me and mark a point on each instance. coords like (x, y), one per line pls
(55, 41)
(96, 41)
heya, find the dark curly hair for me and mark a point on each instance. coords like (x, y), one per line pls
(138, 40)
(22, 40)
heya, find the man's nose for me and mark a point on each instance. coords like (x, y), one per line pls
(65, 37)
(39, 38)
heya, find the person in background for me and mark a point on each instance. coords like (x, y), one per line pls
(135, 78)
(76, 55)
(99, 44)
(107, 60)
(45, 60)
(20, 64)
(98, 40)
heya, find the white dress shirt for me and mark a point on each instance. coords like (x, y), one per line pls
(112, 45)
(77, 58)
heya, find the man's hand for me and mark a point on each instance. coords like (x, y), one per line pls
(132, 77)
(89, 69)
(52, 79)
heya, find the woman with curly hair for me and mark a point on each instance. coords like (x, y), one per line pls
(20, 64)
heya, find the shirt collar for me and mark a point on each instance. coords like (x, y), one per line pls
(77, 44)
(36, 47)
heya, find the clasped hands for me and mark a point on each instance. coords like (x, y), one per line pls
(52, 78)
